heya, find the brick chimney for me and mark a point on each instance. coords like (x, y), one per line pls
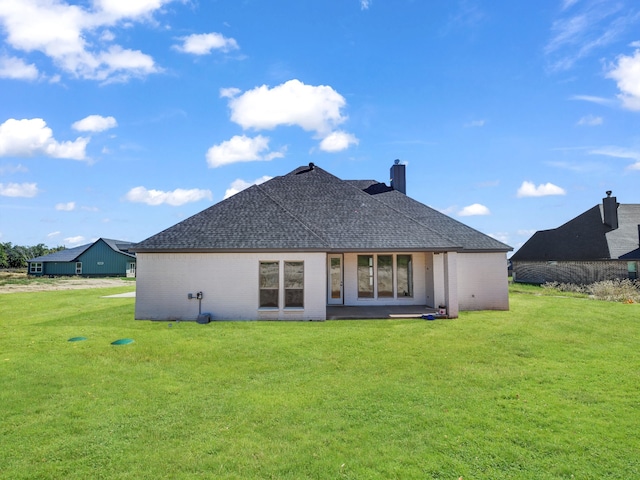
(398, 177)
(610, 209)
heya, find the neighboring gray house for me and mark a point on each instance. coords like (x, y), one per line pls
(296, 244)
(600, 244)
(102, 258)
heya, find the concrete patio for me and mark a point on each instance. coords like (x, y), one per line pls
(342, 312)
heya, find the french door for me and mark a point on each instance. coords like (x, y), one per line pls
(335, 287)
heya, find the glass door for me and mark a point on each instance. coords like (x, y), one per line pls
(335, 290)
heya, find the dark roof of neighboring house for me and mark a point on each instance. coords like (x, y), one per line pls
(71, 254)
(310, 209)
(587, 237)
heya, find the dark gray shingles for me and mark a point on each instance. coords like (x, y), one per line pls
(585, 237)
(312, 209)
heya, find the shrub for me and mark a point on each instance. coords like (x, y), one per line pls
(625, 290)
(618, 290)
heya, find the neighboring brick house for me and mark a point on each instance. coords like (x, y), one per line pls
(600, 244)
(103, 258)
(296, 244)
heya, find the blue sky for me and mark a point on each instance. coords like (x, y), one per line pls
(119, 118)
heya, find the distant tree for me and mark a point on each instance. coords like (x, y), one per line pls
(4, 259)
(17, 256)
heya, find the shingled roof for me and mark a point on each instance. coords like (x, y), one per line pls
(587, 237)
(71, 254)
(310, 209)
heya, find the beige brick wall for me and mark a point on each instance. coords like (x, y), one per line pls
(229, 283)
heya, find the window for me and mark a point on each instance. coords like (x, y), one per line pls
(405, 276)
(293, 284)
(632, 268)
(78, 268)
(35, 267)
(365, 276)
(269, 284)
(393, 276)
(385, 276)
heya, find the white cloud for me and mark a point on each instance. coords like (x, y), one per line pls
(13, 169)
(590, 121)
(528, 189)
(338, 141)
(17, 69)
(312, 108)
(364, 4)
(175, 198)
(27, 190)
(28, 137)
(593, 99)
(473, 210)
(76, 38)
(74, 241)
(626, 73)
(500, 236)
(587, 28)
(95, 123)
(204, 43)
(239, 185)
(66, 207)
(241, 148)
(619, 152)
(568, 3)
(118, 9)
(53, 234)
(475, 123)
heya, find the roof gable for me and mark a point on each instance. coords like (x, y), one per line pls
(72, 254)
(586, 237)
(311, 209)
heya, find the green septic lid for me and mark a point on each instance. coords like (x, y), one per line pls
(122, 341)
(77, 339)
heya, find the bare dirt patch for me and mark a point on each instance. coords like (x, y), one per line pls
(11, 282)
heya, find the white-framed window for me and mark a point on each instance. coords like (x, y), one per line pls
(385, 276)
(35, 267)
(293, 284)
(290, 280)
(131, 269)
(269, 284)
(78, 268)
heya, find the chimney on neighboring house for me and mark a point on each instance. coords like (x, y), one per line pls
(610, 208)
(398, 177)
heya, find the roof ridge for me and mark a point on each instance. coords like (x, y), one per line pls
(304, 224)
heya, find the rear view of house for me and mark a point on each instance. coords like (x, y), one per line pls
(298, 244)
(102, 258)
(602, 243)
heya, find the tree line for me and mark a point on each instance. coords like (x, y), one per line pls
(17, 256)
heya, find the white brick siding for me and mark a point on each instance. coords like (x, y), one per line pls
(229, 283)
(482, 281)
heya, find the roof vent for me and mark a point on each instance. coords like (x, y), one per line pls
(311, 165)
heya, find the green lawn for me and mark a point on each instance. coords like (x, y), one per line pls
(550, 389)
